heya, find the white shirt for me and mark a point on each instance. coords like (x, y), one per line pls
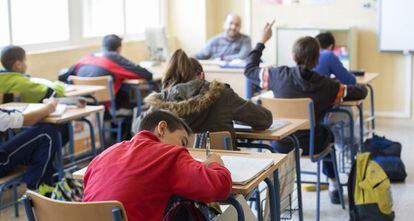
(10, 119)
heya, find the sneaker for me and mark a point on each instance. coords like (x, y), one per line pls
(334, 196)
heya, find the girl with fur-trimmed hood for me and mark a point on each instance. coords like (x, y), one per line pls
(205, 106)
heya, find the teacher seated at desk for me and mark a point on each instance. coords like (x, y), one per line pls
(229, 45)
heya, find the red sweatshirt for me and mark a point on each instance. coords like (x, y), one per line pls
(144, 173)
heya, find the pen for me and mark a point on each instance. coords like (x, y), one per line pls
(208, 144)
(53, 94)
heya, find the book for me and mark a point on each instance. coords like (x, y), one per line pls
(60, 109)
(244, 169)
(276, 125)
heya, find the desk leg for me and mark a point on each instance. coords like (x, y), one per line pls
(232, 201)
(92, 134)
(71, 143)
(274, 196)
(100, 131)
(371, 92)
(59, 156)
(298, 174)
(361, 125)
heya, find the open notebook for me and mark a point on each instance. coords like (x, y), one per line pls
(276, 125)
(244, 169)
(60, 109)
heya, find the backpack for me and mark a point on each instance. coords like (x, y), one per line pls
(180, 209)
(369, 191)
(387, 154)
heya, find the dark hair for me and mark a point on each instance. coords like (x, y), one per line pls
(153, 117)
(10, 54)
(111, 42)
(181, 69)
(325, 39)
(306, 52)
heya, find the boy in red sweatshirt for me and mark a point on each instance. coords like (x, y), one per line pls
(146, 171)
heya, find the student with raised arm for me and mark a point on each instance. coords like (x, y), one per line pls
(205, 106)
(301, 82)
(329, 63)
(34, 147)
(229, 45)
(145, 172)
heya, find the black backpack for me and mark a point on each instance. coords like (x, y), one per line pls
(180, 209)
(387, 154)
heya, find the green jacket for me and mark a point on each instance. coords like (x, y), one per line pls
(28, 90)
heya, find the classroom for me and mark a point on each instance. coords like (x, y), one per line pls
(206, 110)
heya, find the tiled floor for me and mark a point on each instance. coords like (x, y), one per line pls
(399, 130)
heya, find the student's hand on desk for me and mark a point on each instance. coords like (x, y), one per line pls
(51, 104)
(267, 32)
(214, 158)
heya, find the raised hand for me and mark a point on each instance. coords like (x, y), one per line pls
(267, 32)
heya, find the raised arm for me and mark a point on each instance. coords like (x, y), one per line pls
(252, 70)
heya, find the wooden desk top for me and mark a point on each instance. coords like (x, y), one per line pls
(81, 90)
(210, 68)
(279, 159)
(295, 125)
(157, 71)
(71, 113)
(367, 78)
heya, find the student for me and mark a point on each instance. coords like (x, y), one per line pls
(205, 106)
(301, 82)
(110, 62)
(34, 147)
(229, 45)
(329, 63)
(145, 172)
(14, 80)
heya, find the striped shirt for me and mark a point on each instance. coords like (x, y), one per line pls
(225, 49)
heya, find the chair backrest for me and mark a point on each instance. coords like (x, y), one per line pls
(221, 140)
(106, 81)
(293, 108)
(218, 140)
(44, 209)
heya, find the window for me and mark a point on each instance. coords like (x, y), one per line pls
(39, 21)
(141, 14)
(102, 17)
(4, 23)
(47, 24)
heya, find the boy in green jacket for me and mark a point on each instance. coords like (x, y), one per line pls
(14, 81)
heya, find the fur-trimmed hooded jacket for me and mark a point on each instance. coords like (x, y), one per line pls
(210, 106)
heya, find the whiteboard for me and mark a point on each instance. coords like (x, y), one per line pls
(396, 25)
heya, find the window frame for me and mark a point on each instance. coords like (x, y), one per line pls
(76, 38)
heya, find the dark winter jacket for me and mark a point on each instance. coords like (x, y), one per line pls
(210, 106)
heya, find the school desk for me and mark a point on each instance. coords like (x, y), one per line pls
(82, 90)
(249, 187)
(71, 114)
(278, 134)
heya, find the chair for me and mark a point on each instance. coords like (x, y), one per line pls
(218, 140)
(12, 180)
(303, 108)
(41, 208)
(107, 96)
